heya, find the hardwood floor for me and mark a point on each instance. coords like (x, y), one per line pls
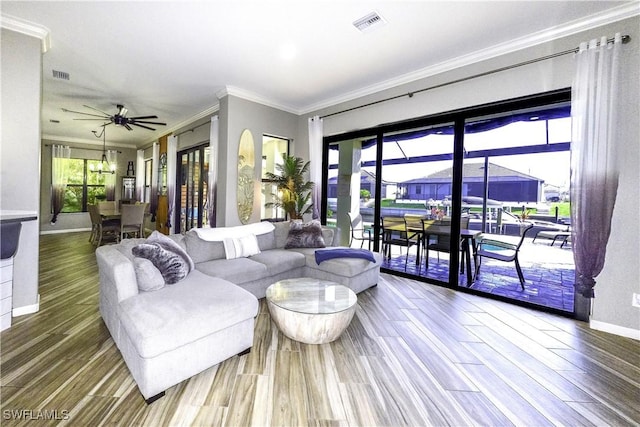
(414, 354)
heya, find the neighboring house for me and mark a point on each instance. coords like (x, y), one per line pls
(367, 182)
(506, 185)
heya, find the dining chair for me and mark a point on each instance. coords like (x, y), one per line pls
(132, 220)
(101, 227)
(107, 206)
(395, 232)
(502, 251)
(358, 231)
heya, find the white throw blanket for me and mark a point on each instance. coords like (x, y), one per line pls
(219, 234)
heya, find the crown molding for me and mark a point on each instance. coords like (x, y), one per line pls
(25, 27)
(610, 16)
(254, 97)
(208, 112)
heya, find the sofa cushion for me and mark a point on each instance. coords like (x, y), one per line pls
(172, 266)
(148, 276)
(199, 305)
(266, 241)
(238, 247)
(307, 235)
(279, 260)
(239, 270)
(171, 244)
(202, 250)
(348, 267)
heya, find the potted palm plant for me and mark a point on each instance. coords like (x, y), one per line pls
(294, 191)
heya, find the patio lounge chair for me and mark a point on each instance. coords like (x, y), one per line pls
(554, 235)
(502, 251)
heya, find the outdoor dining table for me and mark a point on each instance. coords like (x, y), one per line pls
(468, 239)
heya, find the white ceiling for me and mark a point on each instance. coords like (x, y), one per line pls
(172, 58)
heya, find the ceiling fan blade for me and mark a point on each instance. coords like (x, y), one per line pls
(142, 117)
(128, 127)
(142, 126)
(86, 114)
(102, 118)
(99, 111)
(133, 122)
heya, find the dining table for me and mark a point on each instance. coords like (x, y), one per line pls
(110, 213)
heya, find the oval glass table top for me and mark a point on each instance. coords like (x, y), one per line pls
(246, 176)
(311, 296)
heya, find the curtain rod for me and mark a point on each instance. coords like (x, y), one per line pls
(88, 149)
(193, 128)
(625, 39)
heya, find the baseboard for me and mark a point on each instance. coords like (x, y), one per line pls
(615, 329)
(70, 230)
(27, 309)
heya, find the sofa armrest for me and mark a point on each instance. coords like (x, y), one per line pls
(117, 275)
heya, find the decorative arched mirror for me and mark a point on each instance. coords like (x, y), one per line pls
(246, 176)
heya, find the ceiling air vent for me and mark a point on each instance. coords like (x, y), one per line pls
(367, 23)
(60, 75)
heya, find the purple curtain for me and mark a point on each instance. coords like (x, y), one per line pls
(59, 153)
(594, 170)
(155, 163)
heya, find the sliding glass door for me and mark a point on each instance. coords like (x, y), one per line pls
(192, 174)
(516, 175)
(443, 185)
(416, 212)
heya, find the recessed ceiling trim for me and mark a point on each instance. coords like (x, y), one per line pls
(23, 26)
(625, 11)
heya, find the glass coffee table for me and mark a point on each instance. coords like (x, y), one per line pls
(309, 310)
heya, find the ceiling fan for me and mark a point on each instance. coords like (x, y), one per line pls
(119, 119)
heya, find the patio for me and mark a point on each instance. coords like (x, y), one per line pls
(548, 270)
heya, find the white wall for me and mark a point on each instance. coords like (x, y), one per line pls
(20, 154)
(237, 114)
(621, 276)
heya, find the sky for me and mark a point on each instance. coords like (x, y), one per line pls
(553, 168)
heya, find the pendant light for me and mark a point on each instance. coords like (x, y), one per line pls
(103, 166)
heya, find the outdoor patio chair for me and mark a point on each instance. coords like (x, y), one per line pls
(442, 241)
(394, 232)
(502, 251)
(358, 230)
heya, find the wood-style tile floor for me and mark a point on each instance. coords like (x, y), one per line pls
(414, 354)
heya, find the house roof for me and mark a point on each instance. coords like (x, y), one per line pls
(475, 172)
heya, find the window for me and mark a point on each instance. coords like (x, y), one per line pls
(273, 148)
(83, 187)
(148, 173)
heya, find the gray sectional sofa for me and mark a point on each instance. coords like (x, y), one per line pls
(170, 334)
